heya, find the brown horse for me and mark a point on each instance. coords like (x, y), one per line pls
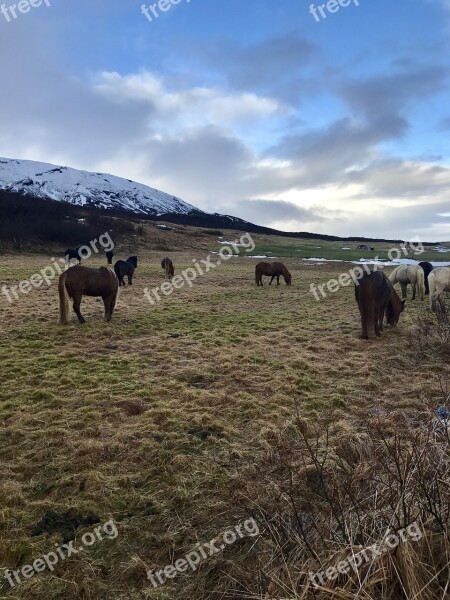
(275, 269)
(91, 282)
(169, 269)
(375, 295)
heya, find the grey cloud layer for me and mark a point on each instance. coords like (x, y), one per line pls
(190, 141)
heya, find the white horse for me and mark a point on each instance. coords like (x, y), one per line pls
(439, 282)
(412, 274)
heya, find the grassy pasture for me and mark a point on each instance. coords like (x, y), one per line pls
(346, 251)
(156, 419)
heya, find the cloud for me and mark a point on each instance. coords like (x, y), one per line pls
(191, 106)
(387, 96)
(281, 66)
(241, 141)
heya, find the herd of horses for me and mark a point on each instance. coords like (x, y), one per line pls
(376, 296)
(425, 280)
(374, 291)
(80, 281)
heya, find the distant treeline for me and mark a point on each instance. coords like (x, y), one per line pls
(25, 221)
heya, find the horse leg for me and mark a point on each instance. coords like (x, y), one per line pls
(376, 322)
(109, 302)
(433, 303)
(278, 280)
(365, 327)
(130, 278)
(414, 286)
(273, 277)
(76, 307)
(107, 305)
(404, 287)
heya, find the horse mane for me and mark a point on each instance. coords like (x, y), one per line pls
(394, 308)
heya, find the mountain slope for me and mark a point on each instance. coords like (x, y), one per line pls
(82, 188)
(32, 180)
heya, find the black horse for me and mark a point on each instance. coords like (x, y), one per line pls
(125, 267)
(427, 268)
(72, 253)
(109, 256)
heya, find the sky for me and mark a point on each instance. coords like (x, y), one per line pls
(253, 108)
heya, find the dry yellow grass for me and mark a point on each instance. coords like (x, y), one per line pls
(151, 419)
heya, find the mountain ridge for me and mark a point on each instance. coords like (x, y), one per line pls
(105, 192)
(86, 188)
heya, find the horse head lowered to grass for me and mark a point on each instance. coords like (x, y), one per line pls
(376, 296)
(79, 281)
(272, 270)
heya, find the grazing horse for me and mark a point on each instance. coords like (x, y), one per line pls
(439, 281)
(109, 256)
(79, 281)
(275, 269)
(427, 268)
(72, 253)
(169, 269)
(125, 267)
(412, 274)
(375, 295)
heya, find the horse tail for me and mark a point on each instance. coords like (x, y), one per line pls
(367, 309)
(117, 270)
(256, 274)
(393, 276)
(420, 282)
(117, 286)
(63, 300)
(167, 269)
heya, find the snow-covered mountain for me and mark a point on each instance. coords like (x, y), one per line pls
(83, 188)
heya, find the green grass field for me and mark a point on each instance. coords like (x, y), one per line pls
(161, 419)
(346, 251)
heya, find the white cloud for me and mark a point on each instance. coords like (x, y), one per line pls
(189, 107)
